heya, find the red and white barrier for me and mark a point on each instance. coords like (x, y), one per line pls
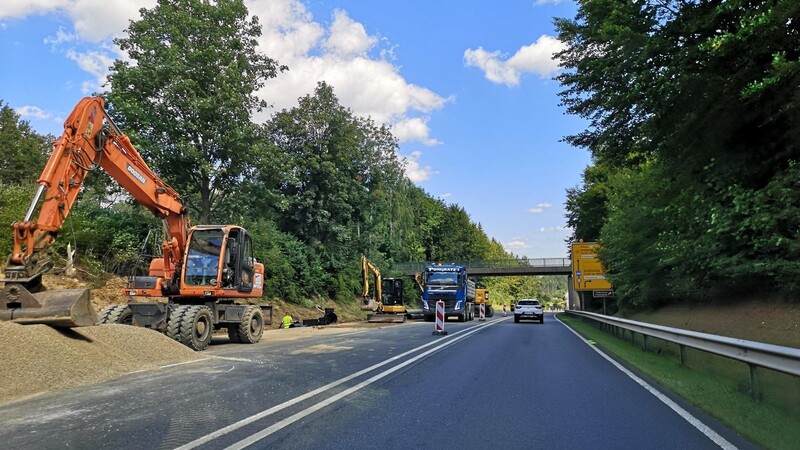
(439, 318)
(482, 310)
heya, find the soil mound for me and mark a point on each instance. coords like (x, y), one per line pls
(38, 358)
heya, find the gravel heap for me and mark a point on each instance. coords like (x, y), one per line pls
(38, 358)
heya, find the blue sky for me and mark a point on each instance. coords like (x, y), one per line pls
(466, 85)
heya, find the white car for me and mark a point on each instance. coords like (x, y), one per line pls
(528, 309)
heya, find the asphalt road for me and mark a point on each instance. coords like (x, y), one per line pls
(493, 383)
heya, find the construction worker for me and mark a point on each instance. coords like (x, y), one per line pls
(287, 321)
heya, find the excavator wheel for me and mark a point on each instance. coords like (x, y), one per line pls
(233, 334)
(251, 328)
(196, 327)
(116, 314)
(174, 321)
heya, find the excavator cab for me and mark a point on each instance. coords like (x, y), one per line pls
(393, 300)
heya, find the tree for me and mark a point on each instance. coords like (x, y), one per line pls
(335, 177)
(23, 152)
(187, 93)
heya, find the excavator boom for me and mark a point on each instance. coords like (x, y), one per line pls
(90, 140)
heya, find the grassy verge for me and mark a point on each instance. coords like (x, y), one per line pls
(719, 387)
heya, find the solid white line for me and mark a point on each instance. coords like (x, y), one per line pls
(694, 421)
(246, 421)
(252, 439)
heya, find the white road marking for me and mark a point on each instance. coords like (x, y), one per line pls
(694, 421)
(444, 342)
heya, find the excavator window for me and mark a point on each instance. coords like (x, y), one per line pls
(247, 260)
(202, 265)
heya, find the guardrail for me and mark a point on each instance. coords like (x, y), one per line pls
(754, 354)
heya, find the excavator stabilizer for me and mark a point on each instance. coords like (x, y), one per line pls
(64, 308)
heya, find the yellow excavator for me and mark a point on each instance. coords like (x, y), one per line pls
(388, 305)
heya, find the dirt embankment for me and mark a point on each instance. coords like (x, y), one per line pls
(770, 321)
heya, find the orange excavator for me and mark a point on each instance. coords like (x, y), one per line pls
(205, 271)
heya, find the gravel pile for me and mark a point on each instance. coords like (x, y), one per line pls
(38, 358)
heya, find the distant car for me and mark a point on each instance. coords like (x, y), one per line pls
(528, 309)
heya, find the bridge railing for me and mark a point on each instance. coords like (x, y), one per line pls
(488, 264)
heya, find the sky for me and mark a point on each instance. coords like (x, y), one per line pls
(467, 87)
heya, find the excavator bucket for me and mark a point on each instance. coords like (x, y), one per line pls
(368, 304)
(386, 318)
(64, 308)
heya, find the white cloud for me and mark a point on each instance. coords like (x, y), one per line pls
(540, 208)
(515, 244)
(414, 170)
(534, 58)
(546, 2)
(555, 229)
(61, 37)
(94, 20)
(94, 62)
(340, 55)
(33, 112)
(358, 65)
(446, 195)
(347, 37)
(414, 129)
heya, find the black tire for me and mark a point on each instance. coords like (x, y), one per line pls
(174, 321)
(197, 327)
(541, 320)
(233, 334)
(251, 328)
(331, 318)
(116, 314)
(429, 318)
(489, 311)
(462, 317)
(516, 318)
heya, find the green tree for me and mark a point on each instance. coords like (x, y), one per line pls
(23, 152)
(187, 92)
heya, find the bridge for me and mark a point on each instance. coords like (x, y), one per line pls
(499, 267)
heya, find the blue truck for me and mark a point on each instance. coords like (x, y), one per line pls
(450, 284)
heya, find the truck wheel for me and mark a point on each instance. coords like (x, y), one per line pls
(429, 318)
(116, 314)
(462, 317)
(197, 326)
(252, 326)
(489, 311)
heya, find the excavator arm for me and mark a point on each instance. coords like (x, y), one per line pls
(368, 303)
(90, 140)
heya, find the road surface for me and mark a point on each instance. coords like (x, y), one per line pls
(485, 384)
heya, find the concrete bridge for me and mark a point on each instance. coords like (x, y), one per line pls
(499, 267)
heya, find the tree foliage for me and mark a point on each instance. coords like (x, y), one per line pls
(187, 93)
(23, 152)
(693, 123)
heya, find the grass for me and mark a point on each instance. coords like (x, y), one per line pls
(718, 386)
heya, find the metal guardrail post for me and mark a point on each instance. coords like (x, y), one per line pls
(755, 386)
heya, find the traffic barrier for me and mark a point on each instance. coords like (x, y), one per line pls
(439, 327)
(482, 310)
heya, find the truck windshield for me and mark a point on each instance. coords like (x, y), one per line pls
(203, 258)
(449, 278)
